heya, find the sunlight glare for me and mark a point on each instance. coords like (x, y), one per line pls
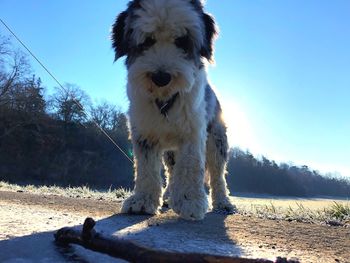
(239, 130)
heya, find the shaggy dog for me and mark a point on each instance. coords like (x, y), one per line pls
(174, 114)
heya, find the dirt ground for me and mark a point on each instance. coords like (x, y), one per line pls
(23, 214)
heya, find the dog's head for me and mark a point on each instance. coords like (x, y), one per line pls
(165, 43)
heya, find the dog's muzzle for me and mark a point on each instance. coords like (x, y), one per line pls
(161, 78)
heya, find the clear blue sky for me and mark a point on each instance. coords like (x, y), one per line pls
(282, 68)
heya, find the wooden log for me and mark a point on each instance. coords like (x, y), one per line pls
(132, 252)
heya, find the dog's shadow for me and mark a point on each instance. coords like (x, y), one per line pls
(171, 233)
(164, 232)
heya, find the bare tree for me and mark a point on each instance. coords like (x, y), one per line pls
(14, 68)
(69, 104)
(104, 115)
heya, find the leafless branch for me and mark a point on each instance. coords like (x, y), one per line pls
(133, 252)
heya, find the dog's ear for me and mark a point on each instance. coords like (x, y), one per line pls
(119, 39)
(209, 36)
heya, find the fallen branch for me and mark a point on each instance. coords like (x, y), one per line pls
(130, 251)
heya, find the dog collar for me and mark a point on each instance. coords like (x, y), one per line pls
(165, 106)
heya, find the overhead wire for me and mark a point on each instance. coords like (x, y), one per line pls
(65, 90)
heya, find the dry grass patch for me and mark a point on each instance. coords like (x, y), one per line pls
(74, 192)
(313, 210)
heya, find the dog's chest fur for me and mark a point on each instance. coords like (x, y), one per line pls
(180, 122)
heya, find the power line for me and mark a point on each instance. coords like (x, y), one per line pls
(65, 90)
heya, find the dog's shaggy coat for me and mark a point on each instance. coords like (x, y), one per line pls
(173, 113)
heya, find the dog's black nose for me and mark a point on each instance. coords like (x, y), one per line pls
(161, 78)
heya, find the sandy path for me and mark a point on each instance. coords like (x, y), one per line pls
(24, 216)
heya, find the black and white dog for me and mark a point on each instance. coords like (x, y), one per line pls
(174, 113)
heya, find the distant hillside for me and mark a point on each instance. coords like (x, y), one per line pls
(263, 176)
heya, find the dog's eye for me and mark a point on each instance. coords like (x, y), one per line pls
(184, 43)
(149, 41)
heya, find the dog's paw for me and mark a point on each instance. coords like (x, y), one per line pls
(224, 207)
(140, 204)
(188, 208)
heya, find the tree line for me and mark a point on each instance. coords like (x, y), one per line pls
(248, 174)
(54, 140)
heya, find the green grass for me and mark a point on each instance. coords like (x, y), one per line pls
(339, 211)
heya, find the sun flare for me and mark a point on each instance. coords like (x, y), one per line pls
(239, 130)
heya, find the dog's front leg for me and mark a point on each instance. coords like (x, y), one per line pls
(187, 193)
(148, 183)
